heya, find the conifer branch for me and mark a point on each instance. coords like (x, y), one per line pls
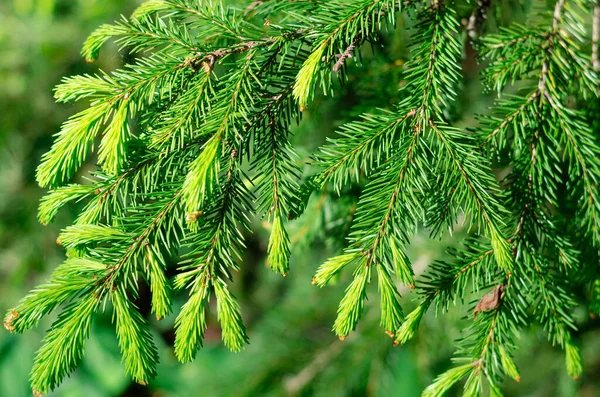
(195, 140)
(531, 187)
(379, 228)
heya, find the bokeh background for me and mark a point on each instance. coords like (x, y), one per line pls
(292, 350)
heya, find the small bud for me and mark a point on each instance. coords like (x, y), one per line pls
(342, 337)
(58, 241)
(8, 322)
(284, 274)
(313, 281)
(489, 301)
(209, 63)
(142, 383)
(192, 216)
(302, 108)
(37, 393)
(390, 334)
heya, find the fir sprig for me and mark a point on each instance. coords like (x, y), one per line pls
(537, 130)
(393, 203)
(193, 139)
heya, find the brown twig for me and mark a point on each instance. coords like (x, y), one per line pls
(208, 59)
(346, 54)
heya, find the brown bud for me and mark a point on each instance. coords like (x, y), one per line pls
(58, 241)
(142, 383)
(390, 334)
(209, 63)
(8, 323)
(313, 281)
(284, 274)
(192, 216)
(342, 337)
(37, 393)
(490, 301)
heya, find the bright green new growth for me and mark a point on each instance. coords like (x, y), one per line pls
(194, 141)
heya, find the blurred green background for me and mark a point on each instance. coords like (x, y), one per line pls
(292, 350)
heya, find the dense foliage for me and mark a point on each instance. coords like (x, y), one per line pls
(193, 142)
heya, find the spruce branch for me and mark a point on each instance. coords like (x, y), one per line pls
(206, 264)
(403, 178)
(139, 352)
(73, 279)
(532, 120)
(63, 345)
(194, 140)
(139, 34)
(275, 198)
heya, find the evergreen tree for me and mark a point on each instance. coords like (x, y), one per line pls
(193, 140)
